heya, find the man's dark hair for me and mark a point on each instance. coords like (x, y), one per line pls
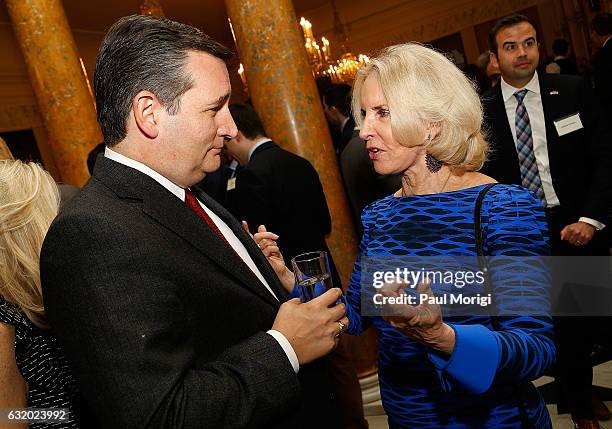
(560, 47)
(143, 53)
(602, 24)
(507, 21)
(247, 120)
(338, 95)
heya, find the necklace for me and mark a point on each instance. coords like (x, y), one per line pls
(410, 186)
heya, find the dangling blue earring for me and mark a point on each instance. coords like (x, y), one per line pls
(433, 165)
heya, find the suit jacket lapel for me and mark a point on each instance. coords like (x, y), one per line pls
(550, 112)
(505, 146)
(173, 214)
(253, 250)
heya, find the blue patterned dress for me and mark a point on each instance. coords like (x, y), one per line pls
(486, 381)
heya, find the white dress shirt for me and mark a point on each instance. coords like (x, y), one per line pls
(225, 230)
(535, 110)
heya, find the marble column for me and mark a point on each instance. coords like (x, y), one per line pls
(283, 91)
(152, 8)
(5, 152)
(58, 79)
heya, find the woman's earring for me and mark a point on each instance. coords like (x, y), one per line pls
(433, 165)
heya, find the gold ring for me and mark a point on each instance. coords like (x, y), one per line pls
(342, 325)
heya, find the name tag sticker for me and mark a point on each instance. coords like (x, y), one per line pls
(231, 183)
(568, 124)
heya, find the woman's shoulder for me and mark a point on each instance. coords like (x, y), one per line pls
(11, 315)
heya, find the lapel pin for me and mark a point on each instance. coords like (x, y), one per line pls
(554, 93)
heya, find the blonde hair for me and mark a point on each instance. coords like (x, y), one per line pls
(423, 88)
(29, 201)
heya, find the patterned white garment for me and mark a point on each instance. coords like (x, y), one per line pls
(43, 366)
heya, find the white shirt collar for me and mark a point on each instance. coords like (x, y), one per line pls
(508, 90)
(606, 41)
(257, 144)
(129, 162)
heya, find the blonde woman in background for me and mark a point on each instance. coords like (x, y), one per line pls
(33, 370)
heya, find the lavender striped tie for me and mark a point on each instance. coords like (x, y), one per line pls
(530, 175)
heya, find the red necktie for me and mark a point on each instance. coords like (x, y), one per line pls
(194, 205)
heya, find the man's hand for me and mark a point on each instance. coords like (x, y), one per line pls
(312, 328)
(578, 234)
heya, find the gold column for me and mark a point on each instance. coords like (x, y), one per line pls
(59, 83)
(45, 147)
(5, 152)
(284, 94)
(152, 8)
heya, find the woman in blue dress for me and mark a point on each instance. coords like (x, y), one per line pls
(421, 117)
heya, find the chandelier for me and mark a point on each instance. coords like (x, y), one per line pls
(341, 70)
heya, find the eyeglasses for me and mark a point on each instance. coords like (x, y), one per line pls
(513, 46)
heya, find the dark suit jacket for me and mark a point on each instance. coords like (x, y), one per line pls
(361, 182)
(602, 74)
(342, 136)
(579, 161)
(162, 322)
(215, 184)
(567, 66)
(282, 191)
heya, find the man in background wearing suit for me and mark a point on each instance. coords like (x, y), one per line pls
(168, 312)
(545, 134)
(561, 63)
(278, 189)
(282, 191)
(338, 113)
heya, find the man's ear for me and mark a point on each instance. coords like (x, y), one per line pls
(238, 137)
(147, 111)
(493, 58)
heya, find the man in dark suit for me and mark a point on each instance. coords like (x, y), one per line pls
(167, 310)
(222, 182)
(282, 191)
(336, 105)
(277, 188)
(546, 134)
(564, 64)
(601, 33)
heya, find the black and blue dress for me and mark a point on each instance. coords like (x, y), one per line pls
(486, 381)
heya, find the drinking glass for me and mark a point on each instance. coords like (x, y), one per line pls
(312, 274)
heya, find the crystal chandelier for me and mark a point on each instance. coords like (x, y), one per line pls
(342, 70)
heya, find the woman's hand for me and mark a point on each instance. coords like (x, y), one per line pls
(422, 322)
(267, 243)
